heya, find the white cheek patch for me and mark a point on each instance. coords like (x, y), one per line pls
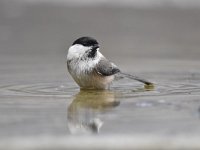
(78, 66)
(76, 51)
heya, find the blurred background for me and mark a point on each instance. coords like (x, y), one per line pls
(135, 34)
(155, 39)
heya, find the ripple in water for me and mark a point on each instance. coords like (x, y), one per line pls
(40, 89)
(125, 87)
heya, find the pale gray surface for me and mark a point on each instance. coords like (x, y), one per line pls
(36, 92)
(132, 3)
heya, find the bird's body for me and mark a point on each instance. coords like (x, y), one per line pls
(88, 67)
(86, 72)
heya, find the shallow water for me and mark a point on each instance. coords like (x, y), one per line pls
(171, 108)
(38, 98)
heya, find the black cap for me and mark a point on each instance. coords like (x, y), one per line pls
(86, 41)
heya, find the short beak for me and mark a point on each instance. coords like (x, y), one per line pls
(95, 47)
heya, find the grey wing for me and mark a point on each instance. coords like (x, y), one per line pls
(106, 68)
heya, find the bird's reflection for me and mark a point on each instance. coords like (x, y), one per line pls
(85, 110)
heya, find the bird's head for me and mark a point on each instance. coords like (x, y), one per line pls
(83, 48)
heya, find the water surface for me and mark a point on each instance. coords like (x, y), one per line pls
(38, 98)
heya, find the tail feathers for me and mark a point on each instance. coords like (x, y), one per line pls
(124, 75)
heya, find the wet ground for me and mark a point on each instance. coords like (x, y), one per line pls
(41, 106)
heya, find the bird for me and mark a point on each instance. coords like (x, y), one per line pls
(90, 68)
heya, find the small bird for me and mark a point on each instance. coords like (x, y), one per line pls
(90, 69)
